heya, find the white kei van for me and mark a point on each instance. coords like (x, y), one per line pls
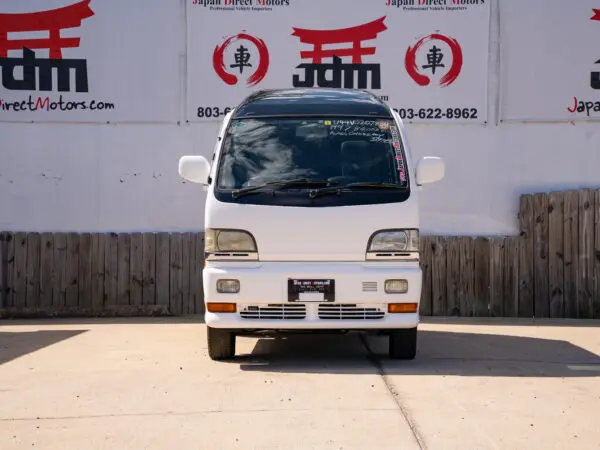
(312, 219)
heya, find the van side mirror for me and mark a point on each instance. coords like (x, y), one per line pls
(195, 169)
(429, 170)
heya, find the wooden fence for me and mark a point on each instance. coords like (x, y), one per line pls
(552, 269)
(89, 274)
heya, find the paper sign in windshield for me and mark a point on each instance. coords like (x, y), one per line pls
(374, 130)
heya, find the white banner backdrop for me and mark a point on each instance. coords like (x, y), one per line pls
(550, 62)
(90, 60)
(428, 62)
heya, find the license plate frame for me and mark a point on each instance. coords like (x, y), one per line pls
(302, 290)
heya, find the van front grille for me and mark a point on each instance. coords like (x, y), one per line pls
(369, 286)
(350, 312)
(274, 312)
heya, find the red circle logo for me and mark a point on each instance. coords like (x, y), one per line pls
(434, 60)
(242, 60)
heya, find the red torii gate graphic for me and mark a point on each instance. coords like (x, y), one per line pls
(354, 35)
(342, 73)
(52, 21)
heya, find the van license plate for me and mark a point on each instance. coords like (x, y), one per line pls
(311, 290)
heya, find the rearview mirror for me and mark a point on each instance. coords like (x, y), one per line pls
(429, 170)
(195, 169)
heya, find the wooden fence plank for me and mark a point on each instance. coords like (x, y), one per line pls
(59, 271)
(85, 272)
(482, 277)
(596, 293)
(20, 271)
(526, 251)
(198, 267)
(467, 274)
(162, 268)
(511, 285)
(556, 253)
(149, 269)
(124, 267)
(137, 269)
(497, 297)
(72, 268)
(438, 277)
(176, 273)
(33, 270)
(193, 286)
(585, 272)
(541, 295)
(186, 259)
(425, 307)
(571, 253)
(46, 262)
(9, 287)
(111, 269)
(452, 276)
(97, 256)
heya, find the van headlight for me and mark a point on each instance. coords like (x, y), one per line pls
(230, 241)
(387, 241)
(228, 286)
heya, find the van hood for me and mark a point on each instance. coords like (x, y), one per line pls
(309, 233)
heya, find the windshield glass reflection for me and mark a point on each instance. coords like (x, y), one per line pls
(340, 150)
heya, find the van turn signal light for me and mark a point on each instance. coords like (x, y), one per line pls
(403, 308)
(221, 307)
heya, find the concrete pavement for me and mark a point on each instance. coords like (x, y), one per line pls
(148, 383)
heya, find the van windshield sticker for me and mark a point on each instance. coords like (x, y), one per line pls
(399, 158)
(377, 130)
(381, 139)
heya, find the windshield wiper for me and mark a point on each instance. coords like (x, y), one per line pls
(347, 187)
(282, 184)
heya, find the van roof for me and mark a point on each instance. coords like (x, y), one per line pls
(303, 102)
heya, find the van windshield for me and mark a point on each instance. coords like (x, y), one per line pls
(341, 151)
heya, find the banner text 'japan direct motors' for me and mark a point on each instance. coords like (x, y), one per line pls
(550, 75)
(81, 61)
(427, 59)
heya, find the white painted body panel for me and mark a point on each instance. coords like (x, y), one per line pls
(265, 283)
(312, 234)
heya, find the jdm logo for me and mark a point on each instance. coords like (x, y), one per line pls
(434, 60)
(349, 42)
(38, 73)
(250, 55)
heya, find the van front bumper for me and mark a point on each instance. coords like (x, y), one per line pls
(360, 302)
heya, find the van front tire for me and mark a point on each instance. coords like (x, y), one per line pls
(403, 344)
(221, 344)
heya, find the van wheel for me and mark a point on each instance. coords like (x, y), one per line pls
(403, 343)
(221, 344)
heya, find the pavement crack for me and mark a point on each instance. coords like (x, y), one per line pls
(187, 413)
(393, 393)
